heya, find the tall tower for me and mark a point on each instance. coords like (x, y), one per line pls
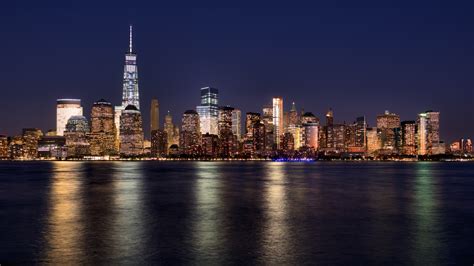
(278, 120)
(65, 108)
(154, 115)
(130, 78)
(208, 110)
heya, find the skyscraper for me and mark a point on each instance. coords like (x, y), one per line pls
(428, 134)
(388, 123)
(154, 115)
(131, 132)
(250, 119)
(236, 123)
(190, 135)
(31, 136)
(130, 94)
(76, 132)
(278, 120)
(102, 135)
(267, 120)
(172, 131)
(208, 110)
(65, 108)
(408, 138)
(227, 139)
(159, 143)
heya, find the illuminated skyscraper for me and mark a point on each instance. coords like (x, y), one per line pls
(65, 108)
(159, 143)
(310, 131)
(172, 131)
(388, 123)
(428, 134)
(130, 78)
(190, 135)
(228, 141)
(236, 123)
(329, 117)
(154, 115)
(258, 137)
(293, 116)
(76, 132)
(130, 92)
(267, 120)
(408, 138)
(208, 110)
(131, 132)
(250, 119)
(31, 136)
(278, 129)
(102, 135)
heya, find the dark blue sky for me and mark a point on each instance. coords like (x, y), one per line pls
(358, 58)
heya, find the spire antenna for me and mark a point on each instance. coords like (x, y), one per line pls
(130, 47)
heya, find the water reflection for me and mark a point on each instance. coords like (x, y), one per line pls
(276, 235)
(207, 236)
(129, 234)
(64, 226)
(425, 210)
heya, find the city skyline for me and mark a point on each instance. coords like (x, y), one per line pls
(348, 97)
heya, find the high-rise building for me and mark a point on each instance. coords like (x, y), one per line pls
(293, 116)
(190, 135)
(388, 123)
(428, 134)
(258, 137)
(130, 95)
(65, 108)
(172, 131)
(131, 132)
(76, 132)
(16, 148)
(310, 132)
(31, 136)
(278, 128)
(209, 110)
(287, 142)
(130, 92)
(210, 145)
(102, 136)
(408, 138)
(267, 120)
(228, 141)
(154, 115)
(329, 117)
(374, 141)
(3, 147)
(236, 123)
(159, 143)
(250, 119)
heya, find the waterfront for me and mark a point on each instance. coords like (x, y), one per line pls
(236, 212)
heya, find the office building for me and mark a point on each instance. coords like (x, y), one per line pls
(3, 147)
(228, 141)
(208, 111)
(267, 119)
(278, 128)
(172, 131)
(102, 136)
(190, 135)
(237, 124)
(76, 132)
(210, 145)
(131, 132)
(250, 119)
(159, 143)
(408, 138)
(65, 108)
(154, 115)
(31, 137)
(52, 147)
(428, 134)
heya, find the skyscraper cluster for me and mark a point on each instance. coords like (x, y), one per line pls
(212, 130)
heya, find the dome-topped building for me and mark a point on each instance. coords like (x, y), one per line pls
(76, 132)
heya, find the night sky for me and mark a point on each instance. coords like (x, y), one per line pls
(358, 58)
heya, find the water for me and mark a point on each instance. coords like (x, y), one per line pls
(250, 212)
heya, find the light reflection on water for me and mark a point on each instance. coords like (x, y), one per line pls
(64, 236)
(242, 213)
(427, 237)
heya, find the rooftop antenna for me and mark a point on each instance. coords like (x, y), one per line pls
(130, 46)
